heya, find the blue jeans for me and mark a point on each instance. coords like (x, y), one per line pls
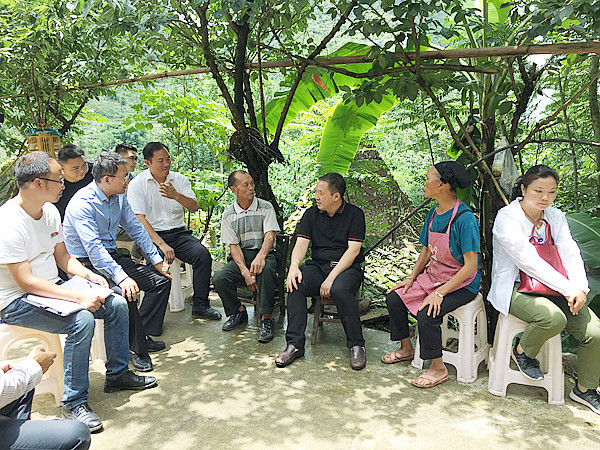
(79, 328)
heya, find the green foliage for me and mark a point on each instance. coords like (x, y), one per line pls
(586, 231)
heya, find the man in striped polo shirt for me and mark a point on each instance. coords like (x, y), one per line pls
(249, 226)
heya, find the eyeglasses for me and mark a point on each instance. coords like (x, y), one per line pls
(59, 181)
(121, 178)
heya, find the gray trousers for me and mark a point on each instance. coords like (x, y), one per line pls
(18, 432)
(228, 278)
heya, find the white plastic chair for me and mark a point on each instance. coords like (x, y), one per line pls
(98, 348)
(52, 381)
(550, 358)
(473, 347)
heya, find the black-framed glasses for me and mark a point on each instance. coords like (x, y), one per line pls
(59, 181)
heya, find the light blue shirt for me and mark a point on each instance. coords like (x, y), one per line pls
(90, 228)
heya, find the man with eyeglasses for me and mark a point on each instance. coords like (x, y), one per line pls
(90, 226)
(31, 248)
(77, 173)
(158, 196)
(129, 152)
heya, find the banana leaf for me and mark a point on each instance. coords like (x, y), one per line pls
(343, 132)
(586, 231)
(317, 84)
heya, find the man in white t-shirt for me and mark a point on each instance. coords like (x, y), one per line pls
(31, 247)
(157, 196)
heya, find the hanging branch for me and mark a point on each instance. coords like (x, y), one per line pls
(571, 146)
(260, 84)
(300, 73)
(427, 132)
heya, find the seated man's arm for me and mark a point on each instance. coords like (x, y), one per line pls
(72, 265)
(18, 378)
(158, 241)
(298, 254)
(344, 263)
(238, 257)
(186, 198)
(28, 282)
(258, 264)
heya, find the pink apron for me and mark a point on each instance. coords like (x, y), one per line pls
(442, 266)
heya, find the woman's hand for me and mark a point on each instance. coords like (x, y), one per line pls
(434, 302)
(406, 283)
(576, 301)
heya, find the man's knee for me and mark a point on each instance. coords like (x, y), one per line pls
(341, 291)
(84, 322)
(219, 278)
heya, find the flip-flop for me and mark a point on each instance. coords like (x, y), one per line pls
(393, 359)
(432, 382)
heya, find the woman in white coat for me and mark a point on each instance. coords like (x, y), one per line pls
(546, 315)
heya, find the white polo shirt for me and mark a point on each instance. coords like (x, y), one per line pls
(162, 213)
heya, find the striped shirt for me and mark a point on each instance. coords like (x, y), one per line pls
(247, 227)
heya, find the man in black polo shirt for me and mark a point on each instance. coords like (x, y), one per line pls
(336, 229)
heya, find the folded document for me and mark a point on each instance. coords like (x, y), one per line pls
(66, 307)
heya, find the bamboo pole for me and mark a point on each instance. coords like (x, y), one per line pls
(485, 52)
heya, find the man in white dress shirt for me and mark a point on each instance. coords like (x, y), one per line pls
(157, 196)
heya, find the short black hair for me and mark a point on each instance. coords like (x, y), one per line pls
(107, 164)
(151, 148)
(31, 166)
(335, 182)
(122, 149)
(69, 151)
(232, 177)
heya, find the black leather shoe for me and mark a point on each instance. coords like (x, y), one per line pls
(266, 332)
(129, 381)
(154, 346)
(84, 414)
(140, 361)
(235, 320)
(358, 357)
(206, 312)
(288, 356)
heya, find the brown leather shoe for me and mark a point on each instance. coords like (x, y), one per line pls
(288, 356)
(358, 357)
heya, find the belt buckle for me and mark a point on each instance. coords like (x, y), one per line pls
(333, 263)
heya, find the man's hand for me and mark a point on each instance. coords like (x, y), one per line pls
(250, 280)
(129, 288)
(163, 268)
(576, 301)
(325, 290)
(95, 278)
(168, 252)
(5, 366)
(167, 190)
(42, 357)
(90, 301)
(293, 279)
(434, 302)
(257, 265)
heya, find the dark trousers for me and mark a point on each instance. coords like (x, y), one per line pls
(17, 431)
(190, 250)
(156, 289)
(229, 277)
(343, 292)
(430, 331)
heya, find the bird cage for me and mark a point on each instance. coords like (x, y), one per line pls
(47, 140)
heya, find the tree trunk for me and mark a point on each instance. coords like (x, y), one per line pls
(595, 114)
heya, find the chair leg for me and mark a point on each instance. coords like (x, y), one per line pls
(257, 307)
(316, 320)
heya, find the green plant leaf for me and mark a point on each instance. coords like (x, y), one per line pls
(343, 132)
(586, 231)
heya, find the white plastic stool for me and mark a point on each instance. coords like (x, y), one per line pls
(180, 286)
(550, 358)
(98, 349)
(473, 347)
(52, 381)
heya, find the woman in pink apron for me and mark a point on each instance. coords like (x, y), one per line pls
(445, 275)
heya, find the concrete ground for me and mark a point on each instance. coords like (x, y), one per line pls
(222, 390)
